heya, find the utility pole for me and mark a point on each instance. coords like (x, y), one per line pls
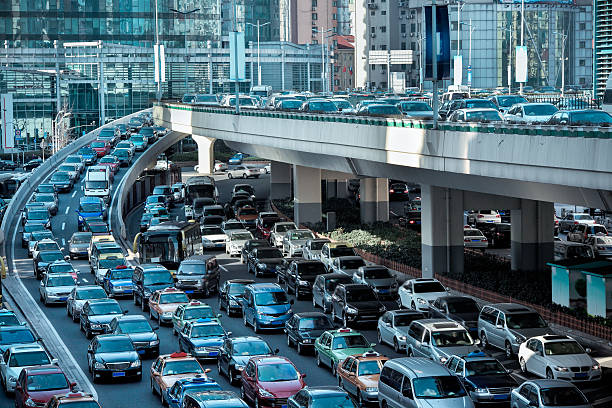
(158, 68)
(434, 60)
(563, 39)
(521, 84)
(236, 84)
(184, 14)
(258, 55)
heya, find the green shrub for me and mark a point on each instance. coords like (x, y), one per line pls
(184, 157)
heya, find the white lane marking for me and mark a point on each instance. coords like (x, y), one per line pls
(223, 267)
(73, 195)
(63, 226)
(67, 209)
(84, 280)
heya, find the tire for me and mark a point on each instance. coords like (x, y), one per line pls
(299, 348)
(318, 360)
(484, 341)
(508, 350)
(231, 377)
(88, 335)
(314, 303)
(244, 176)
(256, 328)
(163, 400)
(243, 394)
(219, 368)
(244, 320)
(150, 314)
(523, 365)
(289, 342)
(379, 337)
(135, 300)
(229, 175)
(410, 353)
(143, 305)
(549, 374)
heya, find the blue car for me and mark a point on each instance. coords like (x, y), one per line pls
(140, 142)
(265, 306)
(89, 155)
(90, 207)
(175, 395)
(118, 281)
(237, 158)
(202, 338)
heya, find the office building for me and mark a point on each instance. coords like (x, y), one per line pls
(603, 44)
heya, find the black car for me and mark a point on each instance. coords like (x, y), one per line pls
(498, 234)
(139, 330)
(7, 165)
(301, 276)
(146, 279)
(124, 157)
(302, 329)
(248, 248)
(230, 295)
(43, 259)
(462, 309)
(264, 260)
(356, 303)
(399, 192)
(27, 231)
(32, 164)
(198, 275)
(96, 316)
(113, 356)
(61, 181)
(283, 267)
(236, 352)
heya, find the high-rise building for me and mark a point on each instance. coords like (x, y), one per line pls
(344, 62)
(602, 44)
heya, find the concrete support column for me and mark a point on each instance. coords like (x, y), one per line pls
(532, 235)
(280, 180)
(306, 195)
(374, 201)
(206, 155)
(441, 230)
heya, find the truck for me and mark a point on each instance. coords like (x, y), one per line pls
(97, 182)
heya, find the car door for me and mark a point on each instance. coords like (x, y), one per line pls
(426, 344)
(494, 331)
(318, 291)
(436, 310)
(184, 338)
(224, 356)
(406, 396)
(351, 381)
(249, 382)
(290, 328)
(325, 353)
(417, 337)
(405, 293)
(248, 306)
(20, 390)
(338, 301)
(538, 360)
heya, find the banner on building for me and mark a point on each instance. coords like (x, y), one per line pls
(398, 82)
(237, 56)
(442, 52)
(160, 62)
(458, 69)
(6, 113)
(521, 64)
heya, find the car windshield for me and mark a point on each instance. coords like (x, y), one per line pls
(192, 269)
(479, 104)
(93, 293)
(135, 326)
(125, 273)
(90, 207)
(96, 184)
(451, 338)
(198, 313)
(47, 382)
(483, 115)
(344, 342)
(317, 245)
(322, 106)
(158, 278)
(87, 152)
(105, 309)
(66, 167)
(426, 287)
(115, 345)
(110, 263)
(377, 273)
(33, 227)
(214, 211)
(311, 269)
(30, 358)
(583, 217)
(9, 319)
(45, 198)
(351, 263)
(277, 372)
(371, 367)
(108, 159)
(562, 397)
(98, 228)
(332, 401)
(51, 256)
(463, 306)
(341, 251)
(251, 348)
(285, 227)
(207, 330)
(182, 367)
(416, 107)
(539, 110)
(206, 98)
(271, 298)
(525, 321)
(47, 246)
(61, 268)
(162, 190)
(138, 139)
(507, 101)
(39, 235)
(212, 231)
(166, 298)
(438, 387)
(247, 211)
(236, 289)
(404, 320)
(360, 295)
(17, 336)
(591, 117)
(604, 240)
(38, 215)
(562, 347)
(315, 323)
(241, 236)
(484, 367)
(291, 104)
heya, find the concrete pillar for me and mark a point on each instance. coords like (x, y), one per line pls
(206, 156)
(374, 201)
(306, 195)
(532, 235)
(441, 230)
(280, 180)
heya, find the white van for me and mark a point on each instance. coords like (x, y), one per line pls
(97, 182)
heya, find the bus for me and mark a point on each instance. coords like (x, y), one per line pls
(169, 243)
(10, 182)
(199, 187)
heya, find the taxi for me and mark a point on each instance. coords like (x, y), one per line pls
(334, 346)
(202, 338)
(118, 281)
(193, 311)
(358, 375)
(72, 399)
(176, 394)
(167, 369)
(163, 303)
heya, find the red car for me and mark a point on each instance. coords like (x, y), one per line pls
(267, 381)
(264, 225)
(111, 161)
(101, 147)
(37, 385)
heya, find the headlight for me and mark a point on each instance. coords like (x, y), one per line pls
(302, 283)
(80, 218)
(351, 310)
(265, 394)
(239, 367)
(98, 364)
(443, 360)
(422, 301)
(167, 314)
(394, 286)
(382, 309)
(200, 348)
(519, 339)
(262, 266)
(96, 326)
(30, 403)
(307, 340)
(147, 292)
(562, 369)
(402, 338)
(481, 390)
(135, 363)
(596, 366)
(371, 389)
(233, 303)
(154, 343)
(12, 379)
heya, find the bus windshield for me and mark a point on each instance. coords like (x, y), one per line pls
(161, 248)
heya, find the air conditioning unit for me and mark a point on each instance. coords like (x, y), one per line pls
(404, 35)
(412, 34)
(373, 35)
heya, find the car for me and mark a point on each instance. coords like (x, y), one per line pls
(378, 278)
(312, 248)
(8, 165)
(236, 240)
(102, 248)
(72, 169)
(190, 312)
(198, 275)
(324, 287)
(236, 204)
(169, 368)
(476, 115)
(294, 240)
(245, 188)
(16, 336)
(220, 167)
(28, 228)
(78, 245)
(104, 263)
(89, 155)
(462, 309)
(126, 145)
(302, 329)
(43, 259)
(334, 346)
(265, 222)
(246, 256)
(17, 358)
(139, 141)
(36, 237)
(145, 220)
(191, 387)
(572, 219)
(72, 400)
(96, 227)
(474, 238)
(278, 232)
(112, 356)
(359, 375)
(485, 378)
(55, 288)
(202, 338)
(247, 215)
(96, 315)
(209, 211)
(213, 237)
(38, 214)
(123, 156)
(235, 353)
(243, 171)
(263, 260)
(548, 393)
(35, 386)
(320, 397)
(580, 117)
(146, 279)
(416, 110)
(438, 339)
(602, 245)
(301, 275)
(45, 244)
(137, 328)
(355, 304)
(178, 190)
(507, 325)
(166, 191)
(530, 113)
(62, 267)
(49, 200)
(332, 250)
(497, 234)
(163, 303)
(392, 327)
(270, 380)
(101, 147)
(580, 232)
(399, 192)
(8, 318)
(417, 294)
(231, 294)
(265, 306)
(558, 357)
(46, 188)
(483, 216)
(117, 281)
(79, 295)
(506, 102)
(32, 164)
(237, 158)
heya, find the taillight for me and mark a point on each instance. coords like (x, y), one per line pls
(411, 221)
(406, 191)
(575, 222)
(466, 240)
(480, 216)
(483, 240)
(392, 191)
(498, 216)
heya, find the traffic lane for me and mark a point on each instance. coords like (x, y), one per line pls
(226, 185)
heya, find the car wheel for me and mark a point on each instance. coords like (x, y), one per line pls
(256, 405)
(150, 314)
(163, 400)
(153, 390)
(412, 305)
(244, 319)
(358, 398)
(523, 365)
(318, 359)
(231, 376)
(289, 342)
(88, 335)
(256, 328)
(410, 353)
(229, 175)
(143, 305)
(340, 382)
(219, 367)
(244, 175)
(396, 347)
(549, 374)
(174, 332)
(484, 340)
(299, 348)
(379, 337)
(159, 320)
(508, 350)
(135, 300)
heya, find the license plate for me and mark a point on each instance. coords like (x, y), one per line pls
(219, 245)
(213, 353)
(475, 240)
(141, 351)
(384, 291)
(127, 291)
(500, 397)
(119, 374)
(580, 375)
(63, 299)
(275, 322)
(189, 291)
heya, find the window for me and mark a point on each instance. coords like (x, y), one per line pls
(403, 46)
(314, 3)
(383, 29)
(412, 28)
(383, 47)
(582, 81)
(372, 12)
(334, 16)
(314, 16)
(373, 47)
(582, 62)
(582, 26)
(403, 28)
(315, 42)
(384, 12)
(407, 388)
(582, 44)
(373, 30)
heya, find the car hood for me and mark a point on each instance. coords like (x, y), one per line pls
(282, 389)
(370, 381)
(570, 360)
(148, 336)
(380, 282)
(207, 341)
(491, 381)
(103, 319)
(457, 350)
(274, 309)
(461, 402)
(298, 242)
(464, 317)
(365, 305)
(312, 334)
(430, 296)
(44, 396)
(241, 360)
(59, 289)
(5, 347)
(119, 357)
(238, 242)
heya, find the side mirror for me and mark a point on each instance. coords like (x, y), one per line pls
(372, 344)
(229, 334)
(66, 258)
(588, 350)
(218, 315)
(73, 385)
(126, 312)
(155, 328)
(54, 361)
(291, 302)
(477, 341)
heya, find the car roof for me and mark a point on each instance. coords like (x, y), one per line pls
(42, 370)
(309, 314)
(240, 281)
(440, 324)
(26, 348)
(511, 307)
(544, 383)
(418, 366)
(421, 280)
(260, 360)
(350, 257)
(265, 287)
(245, 339)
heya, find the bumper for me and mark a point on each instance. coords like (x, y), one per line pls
(213, 245)
(105, 329)
(362, 318)
(476, 244)
(209, 354)
(119, 291)
(147, 351)
(369, 396)
(79, 253)
(275, 323)
(489, 397)
(295, 251)
(579, 377)
(273, 403)
(106, 374)
(57, 298)
(235, 309)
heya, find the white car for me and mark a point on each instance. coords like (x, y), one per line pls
(265, 169)
(294, 240)
(484, 216)
(558, 357)
(220, 166)
(573, 219)
(530, 112)
(418, 293)
(312, 248)
(79, 296)
(127, 145)
(243, 171)
(55, 288)
(474, 238)
(18, 358)
(236, 240)
(278, 232)
(213, 237)
(347, 265)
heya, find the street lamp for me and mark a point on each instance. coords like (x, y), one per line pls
(184, 14)
(258, 60)
(472, 28)
(509, 60)
(59, 118)
(323, 68)
(563, 37)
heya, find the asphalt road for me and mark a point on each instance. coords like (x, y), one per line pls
(121, 394)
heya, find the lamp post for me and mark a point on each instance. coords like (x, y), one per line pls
(521, 84)
(563, 39)
(158, 68)
(59, 118)
(323, 43)
(472, 28)
(509, 60)
(258, 25)
(184, 14)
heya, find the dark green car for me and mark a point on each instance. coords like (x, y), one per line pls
(333, 346)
